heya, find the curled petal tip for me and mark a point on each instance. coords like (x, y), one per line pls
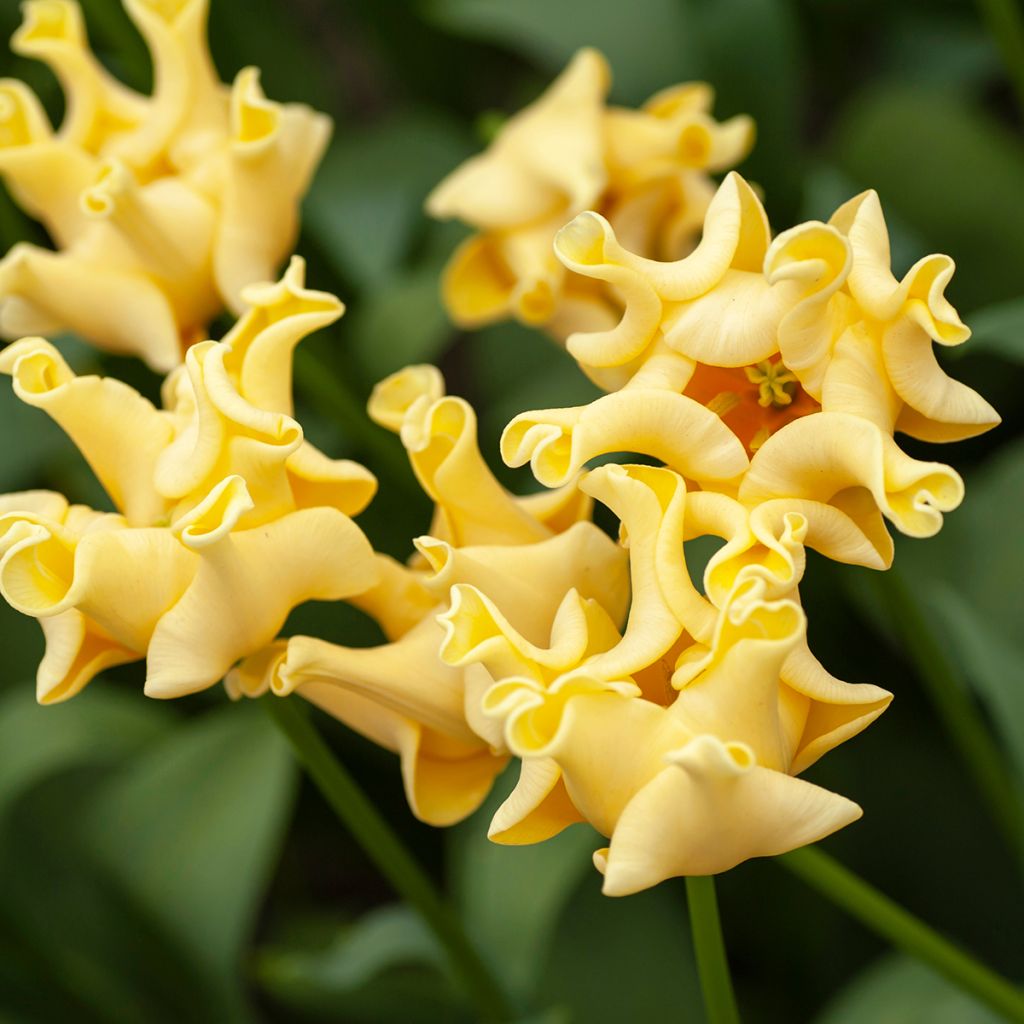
(394, 396)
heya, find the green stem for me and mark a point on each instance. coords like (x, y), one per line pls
(902, 929)
(385, 849)
(709, 947)
(1006, 26)
(951, 698)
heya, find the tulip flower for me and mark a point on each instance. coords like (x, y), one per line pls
(162, 208)
(527, 552)
(226, 517)
(646, 170)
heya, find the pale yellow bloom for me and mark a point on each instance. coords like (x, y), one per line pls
(162, 208)
(806, 349)
(678, 740)
(527, 552)
(647, 170)
(227, 519)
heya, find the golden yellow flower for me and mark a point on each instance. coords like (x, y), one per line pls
(680, 738)
(162, 208)
(646, 170)
(526, 552)
(227, 519)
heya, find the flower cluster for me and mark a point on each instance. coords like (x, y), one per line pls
(162, 208)
(765, 379)
(646, 170)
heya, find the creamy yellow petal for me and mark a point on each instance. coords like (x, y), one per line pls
(44, 173)
(587, 246)
(445, 780)
(712, 809)
(609, 747)
(528, 582)
(228, 436)
(837, 712)
(546, 157)
(120, 434)
(263, 340)
(398, 600)
(940, 408)
(808, 265)
(66, 292)
(824, 456)
(736, 692)
(537, 809)
(856, 381)
(186, 92)
(441, 438)
(245, 587)
(77, 650)
(670, 427)
(406, 676)
(96, 103)
(650, 504)
(394, 396)
(273, 152)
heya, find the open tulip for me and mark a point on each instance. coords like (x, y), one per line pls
(227, 519)
(647, 170)
(162, 208)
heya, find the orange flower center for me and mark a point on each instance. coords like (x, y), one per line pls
(753, 401)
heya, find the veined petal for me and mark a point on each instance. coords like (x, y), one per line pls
(537, 809)
(77, 650)
(822, 457)
(528, 581)
(65, 292)
(940, 408)
(710, 810)
(837, 710)
(688, 437)
(856, 381)
(406, 676)
(119, 433)
(245, 587)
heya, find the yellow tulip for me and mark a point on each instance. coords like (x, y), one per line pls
(527, 553)
(163, 207)
(646, 170)
(227, 518)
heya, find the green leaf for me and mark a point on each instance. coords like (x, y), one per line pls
(623, 959)
(997, 329)
(648, 45)
(38, 742)
(385, 966)
(992, 662)
(952, 173)
(366, 202)
(899, 990)
(511, 897)
(401, 323)
(192, 827)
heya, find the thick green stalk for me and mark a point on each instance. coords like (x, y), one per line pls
(385, 849)
(882, 915)
(709, 947)
(1005, 24)
(951, 698)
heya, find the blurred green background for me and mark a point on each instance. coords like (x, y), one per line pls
(164, 862)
